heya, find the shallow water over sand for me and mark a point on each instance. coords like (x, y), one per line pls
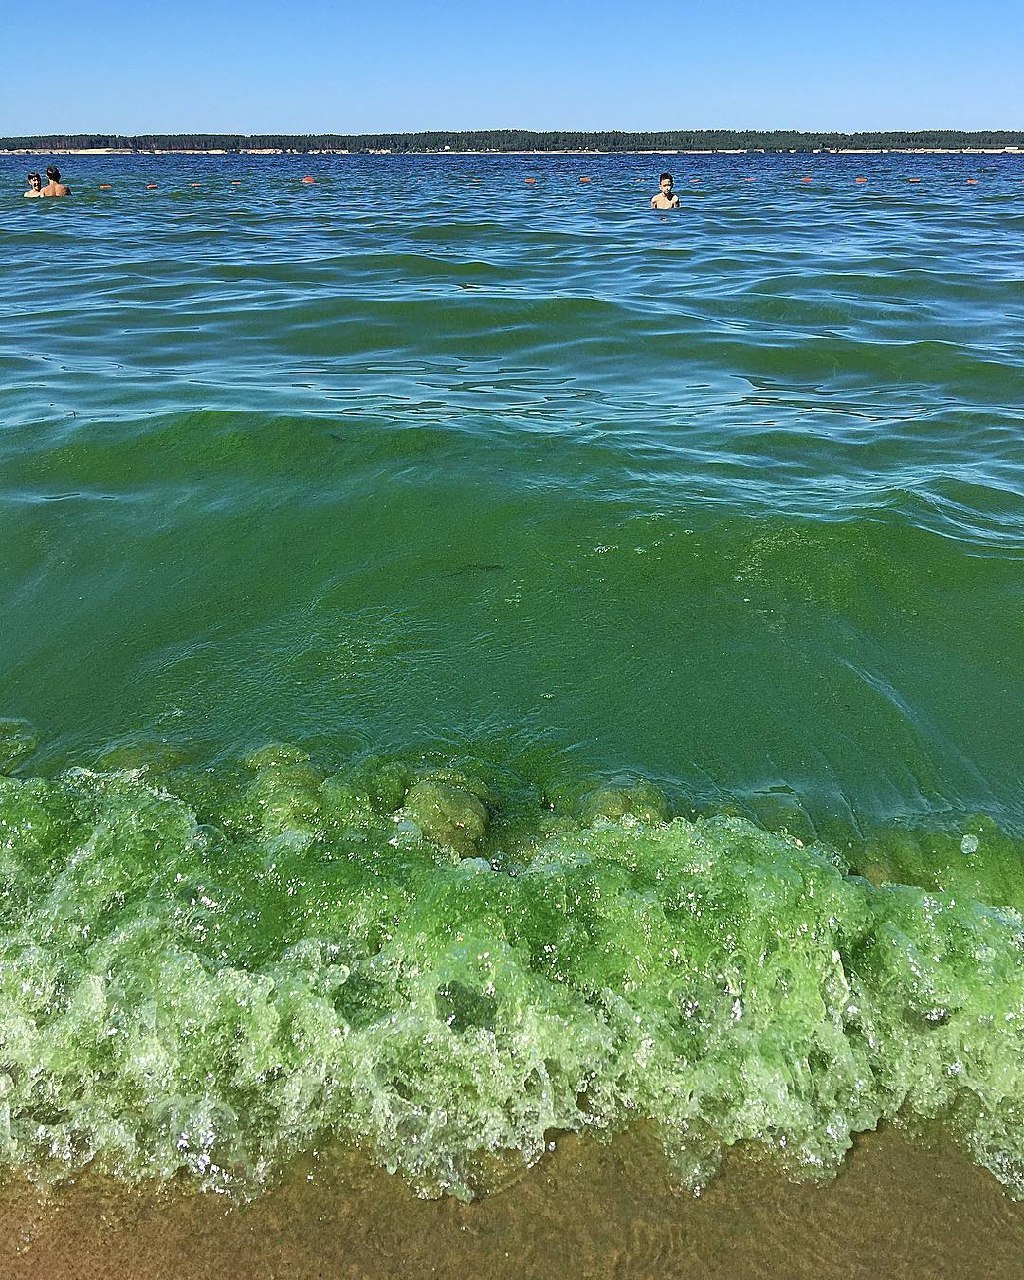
(608, 1213)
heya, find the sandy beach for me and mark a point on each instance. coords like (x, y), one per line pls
(589, 1210)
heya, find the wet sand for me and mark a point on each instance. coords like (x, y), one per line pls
(589, 1210)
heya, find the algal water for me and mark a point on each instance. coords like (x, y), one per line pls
(482, 659)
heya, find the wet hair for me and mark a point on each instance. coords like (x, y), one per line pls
(660, 180)
(53, 173)
(34, 177)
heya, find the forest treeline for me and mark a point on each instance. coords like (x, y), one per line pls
(507, 140)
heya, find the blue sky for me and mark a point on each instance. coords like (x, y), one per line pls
(314, 66)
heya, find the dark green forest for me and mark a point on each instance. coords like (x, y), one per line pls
(508, 140)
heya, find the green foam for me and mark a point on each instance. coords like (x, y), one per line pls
(204, 972)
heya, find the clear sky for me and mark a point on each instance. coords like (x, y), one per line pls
(317, 66)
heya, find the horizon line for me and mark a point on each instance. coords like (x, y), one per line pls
(506, 129)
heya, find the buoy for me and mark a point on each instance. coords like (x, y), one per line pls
(805, 179)
(913, 179)
(529, 179)
(584, 179)
(695, 179)
(236, 182)
(307, 180)
(750, 179)
(150, 186)
(105, 186)
(972, 182)
(860, 179)
(195, 184)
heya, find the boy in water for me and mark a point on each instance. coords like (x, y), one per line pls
(54, 187)
(34, 186)
(666, 197)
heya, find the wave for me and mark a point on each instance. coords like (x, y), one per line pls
(204, 970)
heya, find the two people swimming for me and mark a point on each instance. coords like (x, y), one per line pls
(665, 198)
(54, 186)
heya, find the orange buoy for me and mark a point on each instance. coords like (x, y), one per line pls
(913, 179)
(236, 182)
(860, 179)
(105, 186)
(972, 181)
(150, 186)
(806, 179)
(308, 180)
(584, 179)
(529, 179)
(195, 184)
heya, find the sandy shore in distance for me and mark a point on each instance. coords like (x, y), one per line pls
(831, 151)
(603, 1212)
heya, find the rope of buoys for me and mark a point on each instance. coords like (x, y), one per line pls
(309, 180)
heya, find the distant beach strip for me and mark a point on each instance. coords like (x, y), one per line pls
(527, 142)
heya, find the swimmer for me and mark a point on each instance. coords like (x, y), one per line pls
(666, 197)
(54, 187)
(35, 184)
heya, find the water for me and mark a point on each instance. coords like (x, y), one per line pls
(483, 659)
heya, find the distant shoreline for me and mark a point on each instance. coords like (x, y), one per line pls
(718, 151)
(526, 142)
